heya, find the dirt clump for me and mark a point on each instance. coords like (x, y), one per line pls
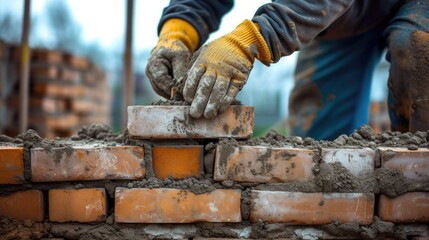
(11, 229)
(96, 131)
(334, 177)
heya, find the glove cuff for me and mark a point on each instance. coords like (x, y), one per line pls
(248, 37)
(179, 29)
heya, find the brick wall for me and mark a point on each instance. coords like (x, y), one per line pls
(156, 182)
(66, 92)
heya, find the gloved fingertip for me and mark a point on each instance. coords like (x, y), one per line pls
(195, 112)
(210, 114)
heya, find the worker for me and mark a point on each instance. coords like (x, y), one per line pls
(339, 42)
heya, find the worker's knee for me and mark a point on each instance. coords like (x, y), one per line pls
(408, 51)
(409, 78)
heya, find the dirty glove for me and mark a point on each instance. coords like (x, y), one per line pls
(221, 69)
(169, 59)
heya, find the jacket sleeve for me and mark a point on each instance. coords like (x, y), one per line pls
(288, 25)
(204, 15)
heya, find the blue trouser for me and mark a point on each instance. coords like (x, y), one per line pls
(333, 78)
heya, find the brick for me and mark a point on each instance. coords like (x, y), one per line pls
(299, 208)
(57, 121)
(414, 164)
(166, 122)
(177, 161)
(77, 62)
(46, 55)
(69, 75)
(359, 162)
(11, 165)
(52, 89)
(262, 164)
(48, 71)
(163, 205)
(83, 205)
(59, 89)
(407, 208)
(23, 205)
(37, 103)
(83, 106)
(87, 163)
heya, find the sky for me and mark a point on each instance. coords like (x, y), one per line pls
(103, 21)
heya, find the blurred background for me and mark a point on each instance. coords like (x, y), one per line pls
(76, 70)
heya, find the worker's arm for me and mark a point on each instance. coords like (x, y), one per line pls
(184, 26)
(277, 29)
(288, 25)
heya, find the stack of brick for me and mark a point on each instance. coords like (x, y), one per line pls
(245, 190)
(66, 92)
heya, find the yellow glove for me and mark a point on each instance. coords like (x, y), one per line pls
(169, 59)
(222, 68)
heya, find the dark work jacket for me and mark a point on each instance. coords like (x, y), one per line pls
(287, 25)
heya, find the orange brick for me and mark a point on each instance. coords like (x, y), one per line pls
(163, 205)
(413, 164)
(48, 71)
(87, 163)
(83, 105)
(23, 205)
(11, 165)
(177, 161)
(46, 55)
(77, 62)
(37, 103)
(52, 89)
(407, 208)
(262, 164)
(169, 122)
(63, 121)
(69, 75)
(83, 205)
(298, 208)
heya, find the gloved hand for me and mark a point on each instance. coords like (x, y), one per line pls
(169, 59)
(222, 68)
